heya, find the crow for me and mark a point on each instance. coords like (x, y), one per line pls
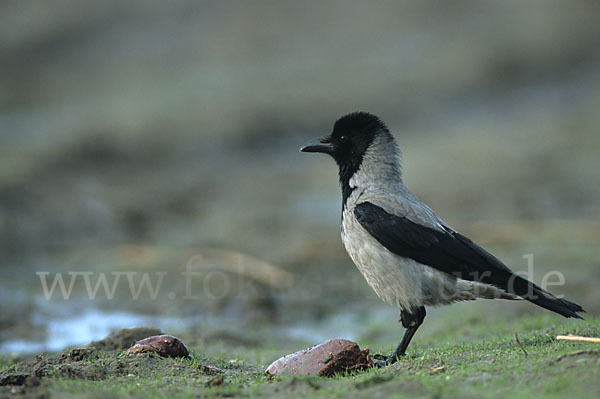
(408, 255)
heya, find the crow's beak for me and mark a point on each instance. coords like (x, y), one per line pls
(321, 144)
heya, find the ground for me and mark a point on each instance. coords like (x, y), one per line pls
(494, 366)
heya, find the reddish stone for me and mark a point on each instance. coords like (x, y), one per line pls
(164, 345)
(334, 356)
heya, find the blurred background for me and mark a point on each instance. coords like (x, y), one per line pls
(143, 136)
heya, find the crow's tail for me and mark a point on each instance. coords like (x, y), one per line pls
(534, 294)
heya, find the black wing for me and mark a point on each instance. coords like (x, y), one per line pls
(453, 253)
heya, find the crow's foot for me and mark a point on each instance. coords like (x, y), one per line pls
(380, 360)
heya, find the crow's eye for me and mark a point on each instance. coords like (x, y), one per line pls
(343, 138)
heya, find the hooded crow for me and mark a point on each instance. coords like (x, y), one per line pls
(407, 254)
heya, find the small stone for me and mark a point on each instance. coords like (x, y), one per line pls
(332, 357)
(215, 381)
(436, 370)
(163, 345)
(210, 370)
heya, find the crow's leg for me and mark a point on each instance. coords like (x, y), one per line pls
(410, 321)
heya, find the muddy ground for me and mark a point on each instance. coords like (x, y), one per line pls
(105, 360)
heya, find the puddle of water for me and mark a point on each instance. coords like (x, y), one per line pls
(91, 325)
(95, 324)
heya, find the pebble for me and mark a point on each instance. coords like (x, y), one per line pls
(163, 345)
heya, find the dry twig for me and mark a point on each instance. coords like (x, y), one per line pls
(521, 345)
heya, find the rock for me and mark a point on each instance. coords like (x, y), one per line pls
(164, 345)
(332, 357)
(124, 338)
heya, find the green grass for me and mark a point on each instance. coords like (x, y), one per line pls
(492, 367)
